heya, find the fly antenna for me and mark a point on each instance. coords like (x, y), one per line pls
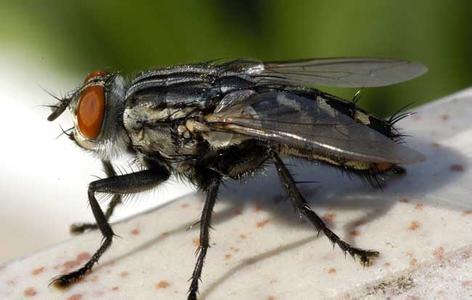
(59, 108)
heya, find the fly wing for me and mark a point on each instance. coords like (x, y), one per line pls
(339, 72)
(303, 123)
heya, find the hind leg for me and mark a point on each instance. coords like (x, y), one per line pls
(300, 204)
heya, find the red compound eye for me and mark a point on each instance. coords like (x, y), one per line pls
(98, 73)
(91, 111)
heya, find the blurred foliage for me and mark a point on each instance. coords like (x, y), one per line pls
(80, 36)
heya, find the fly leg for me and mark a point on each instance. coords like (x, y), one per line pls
(302, 206)
(123, 184)
(205, 221)
(79, 228)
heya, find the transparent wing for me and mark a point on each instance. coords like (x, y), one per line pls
(340, 72)
(312, 125)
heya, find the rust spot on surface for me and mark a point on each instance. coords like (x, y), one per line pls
(329, 217)
(387, 264)
(354, 233)
(78, 261)
(37, 271)
(162, 284)
(262, 223)
(439, 253)
(413, 262)
(414, 225)
(135, 231)
(257, 207)
(91, 278)
(331, 271)
(196, 242)
(115, 288)
(68, 265)
(419, 206)
(237, 211)
(467, 283)
(243, 236)
(456, 168)
(83, 256)
(467, 212)
(124, 274)
(403, 200)
(75, 297)
(271, 298)
(29, 292)
(444, 117)
(227, 256)
(184, 205)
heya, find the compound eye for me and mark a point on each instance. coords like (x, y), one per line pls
(95, 74)
(91, 111)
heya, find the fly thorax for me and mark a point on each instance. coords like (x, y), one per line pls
(97, 112)
(156, 129)
(216, 139)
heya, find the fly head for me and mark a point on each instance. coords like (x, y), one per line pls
(97, 112)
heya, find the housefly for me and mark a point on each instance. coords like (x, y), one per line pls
(215, 121)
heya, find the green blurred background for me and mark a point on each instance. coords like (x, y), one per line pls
(80, 36)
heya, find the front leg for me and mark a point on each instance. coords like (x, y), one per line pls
(78, 228)
(302, 206)
(123, 184)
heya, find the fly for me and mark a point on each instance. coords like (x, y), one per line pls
(216, 121)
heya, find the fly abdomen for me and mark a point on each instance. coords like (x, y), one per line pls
(350, 109)
(360, 167)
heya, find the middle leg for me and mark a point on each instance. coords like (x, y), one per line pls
(205, 223)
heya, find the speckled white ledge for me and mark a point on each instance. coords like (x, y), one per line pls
(421, 223)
